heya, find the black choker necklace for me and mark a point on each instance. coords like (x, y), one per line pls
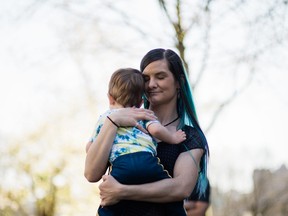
(172, 121)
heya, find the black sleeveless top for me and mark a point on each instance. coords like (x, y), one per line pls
(168, 155)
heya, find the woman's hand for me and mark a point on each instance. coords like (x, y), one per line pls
(129, 117)
(196, 208)
(109, 190)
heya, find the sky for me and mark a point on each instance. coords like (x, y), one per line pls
(38, 79)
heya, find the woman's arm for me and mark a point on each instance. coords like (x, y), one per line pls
(167, 190)
(98, 152)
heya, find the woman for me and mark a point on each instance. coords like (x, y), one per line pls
(168, 95)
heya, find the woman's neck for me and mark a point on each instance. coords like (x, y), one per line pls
(164, 113)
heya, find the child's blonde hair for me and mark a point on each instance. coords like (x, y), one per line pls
(126, 86)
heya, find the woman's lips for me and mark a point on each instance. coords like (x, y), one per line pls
(153, 93)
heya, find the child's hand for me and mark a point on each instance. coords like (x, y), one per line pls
(179, 136)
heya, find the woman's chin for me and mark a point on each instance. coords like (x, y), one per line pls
(153, 99)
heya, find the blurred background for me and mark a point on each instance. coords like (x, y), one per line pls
(56, 58)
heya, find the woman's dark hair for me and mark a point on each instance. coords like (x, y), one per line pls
(185, 105)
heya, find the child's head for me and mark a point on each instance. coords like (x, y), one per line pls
(126, 87)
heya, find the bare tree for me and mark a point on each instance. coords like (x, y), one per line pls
(266, 29)
(273, 13)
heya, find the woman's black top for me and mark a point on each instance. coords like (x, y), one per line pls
(167, 154)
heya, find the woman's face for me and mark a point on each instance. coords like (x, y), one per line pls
(160, 85)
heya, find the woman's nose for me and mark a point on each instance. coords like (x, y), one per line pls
(152, 83)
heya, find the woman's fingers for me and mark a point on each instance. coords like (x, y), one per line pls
(127, 117)
(108, 191)
(144, 114)
(104, 177)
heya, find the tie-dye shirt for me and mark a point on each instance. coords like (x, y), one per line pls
(128, 139)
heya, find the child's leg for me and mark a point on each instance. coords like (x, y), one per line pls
(138, 168)
(105, 211)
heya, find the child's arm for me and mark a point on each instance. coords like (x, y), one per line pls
(160, 132)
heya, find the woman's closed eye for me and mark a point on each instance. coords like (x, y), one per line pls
(161, 77)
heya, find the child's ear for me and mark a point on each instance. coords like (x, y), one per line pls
(111, 99)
